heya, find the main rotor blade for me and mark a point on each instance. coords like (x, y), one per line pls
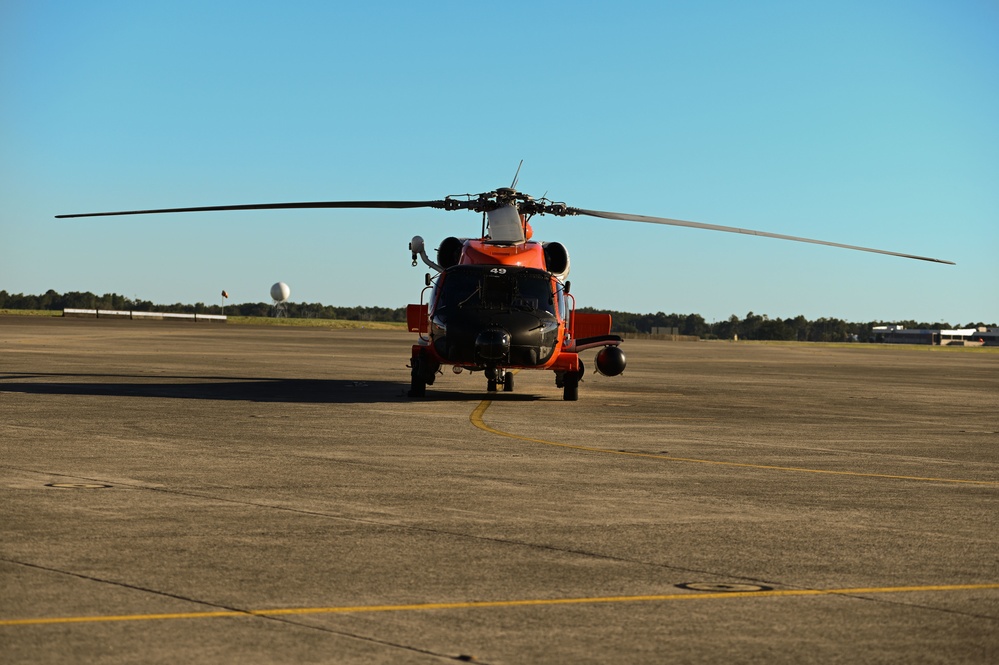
(732, 229)
(272, 206)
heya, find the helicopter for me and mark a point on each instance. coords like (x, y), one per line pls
(501, 302)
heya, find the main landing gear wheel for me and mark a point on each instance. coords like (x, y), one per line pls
(422, 375)
(570, 388)
(418, 384)
(570, 384)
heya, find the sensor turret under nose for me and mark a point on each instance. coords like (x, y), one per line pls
(492, 345)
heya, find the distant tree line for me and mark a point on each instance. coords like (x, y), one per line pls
(760, 326)
(52, 300)
(751, 327)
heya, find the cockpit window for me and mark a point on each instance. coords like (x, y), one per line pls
(533, 290)
(494, 287)
(458, 288)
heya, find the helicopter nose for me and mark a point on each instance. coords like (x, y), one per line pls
(492, 345)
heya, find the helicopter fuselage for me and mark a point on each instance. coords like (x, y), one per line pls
(482, 315)
(502, 307)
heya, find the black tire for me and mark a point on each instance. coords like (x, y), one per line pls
(491, 386)
(418, 384)
(570, 384)
(570, 389)
(508, 383)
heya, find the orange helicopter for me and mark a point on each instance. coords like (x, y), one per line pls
(501, 302)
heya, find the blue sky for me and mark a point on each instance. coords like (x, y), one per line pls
(869, 123)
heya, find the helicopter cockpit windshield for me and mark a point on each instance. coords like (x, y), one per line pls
(492, 287)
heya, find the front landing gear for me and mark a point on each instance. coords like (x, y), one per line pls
(496, 377)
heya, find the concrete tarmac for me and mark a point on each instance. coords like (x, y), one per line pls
(205, 493)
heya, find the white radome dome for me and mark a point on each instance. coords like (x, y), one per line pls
(280, 292)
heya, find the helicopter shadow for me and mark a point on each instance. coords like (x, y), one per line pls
(244, 389)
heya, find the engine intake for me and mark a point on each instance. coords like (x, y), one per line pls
(556, 259)
(449, 253)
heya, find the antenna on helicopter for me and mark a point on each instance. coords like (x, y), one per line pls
(516, 175)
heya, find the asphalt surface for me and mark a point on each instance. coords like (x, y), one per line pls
(206, 493)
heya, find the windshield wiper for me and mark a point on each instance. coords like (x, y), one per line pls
(470, 296)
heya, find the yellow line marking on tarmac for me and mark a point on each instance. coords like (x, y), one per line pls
(485, 604)
(479, 411)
